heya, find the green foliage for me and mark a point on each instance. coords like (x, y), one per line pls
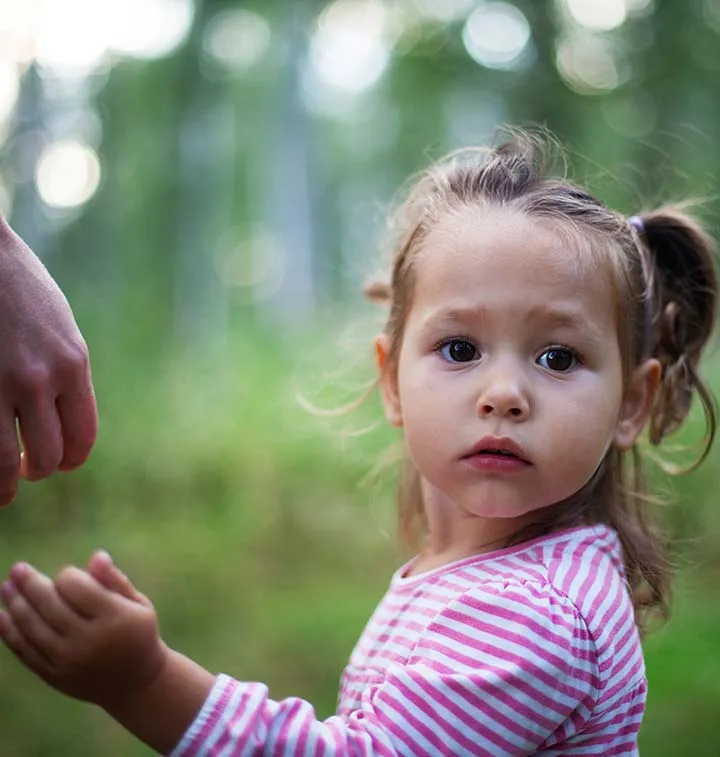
(250, 523)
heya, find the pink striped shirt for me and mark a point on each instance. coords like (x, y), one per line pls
(526, 650)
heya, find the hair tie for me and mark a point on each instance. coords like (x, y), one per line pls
(637, 223)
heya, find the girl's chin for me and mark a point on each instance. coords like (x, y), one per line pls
(492, 501)
(508, 514)
(506, 510)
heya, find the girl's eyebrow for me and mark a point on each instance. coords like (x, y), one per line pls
(571, 318)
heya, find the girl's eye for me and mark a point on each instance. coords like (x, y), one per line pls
(458, 351)
(558, 359)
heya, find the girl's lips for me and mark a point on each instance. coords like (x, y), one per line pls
(499, 446)
(493, 462)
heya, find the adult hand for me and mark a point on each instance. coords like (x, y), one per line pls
(45, 383)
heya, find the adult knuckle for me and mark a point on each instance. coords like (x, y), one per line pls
(73, 356)
(32, 378)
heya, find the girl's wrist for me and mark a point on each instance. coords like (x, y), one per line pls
(161, 711)
(120, 698)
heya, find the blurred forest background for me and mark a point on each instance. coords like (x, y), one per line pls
(207, 181)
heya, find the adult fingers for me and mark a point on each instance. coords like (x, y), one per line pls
(40, 432)
(57, 412)
(77, 409)
(40, 592)
(9, 456)
(79, 425)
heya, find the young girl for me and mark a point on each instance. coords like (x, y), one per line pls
(532, 334)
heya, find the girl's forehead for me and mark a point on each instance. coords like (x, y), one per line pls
(498, 239)
(508, 258)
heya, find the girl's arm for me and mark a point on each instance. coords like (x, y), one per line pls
(502, 670)
(162, 712)
(103, 646)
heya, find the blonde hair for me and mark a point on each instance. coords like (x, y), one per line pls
(663, 274)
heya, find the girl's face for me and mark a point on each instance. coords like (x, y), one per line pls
(509, 380)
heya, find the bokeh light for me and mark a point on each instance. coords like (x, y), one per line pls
(17, 30)
(589, 63)
(74, 38)
(444, 11)
(68, 174)
(236, 39)
(350, 51)
(711, 14)
(148, 28)
(599, 15)
(9, 89)
(6, 198)
(497, 35)
(639, 7)
(251, 259)
(71, 37)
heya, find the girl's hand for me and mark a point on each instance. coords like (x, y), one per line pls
(90, 635)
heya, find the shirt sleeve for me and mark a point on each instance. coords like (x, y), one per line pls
(502, 670)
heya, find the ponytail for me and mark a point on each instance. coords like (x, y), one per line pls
(682, 302)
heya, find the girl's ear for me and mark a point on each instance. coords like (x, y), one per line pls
(637, 403)
(388, 381)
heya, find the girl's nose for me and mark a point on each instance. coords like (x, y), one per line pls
(503, 397)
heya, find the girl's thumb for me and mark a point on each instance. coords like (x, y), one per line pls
(104, 571)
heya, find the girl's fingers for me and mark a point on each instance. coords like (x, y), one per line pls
(82, 592)
(102, 568)
(40, 592)
(18, 645)
(26, 633)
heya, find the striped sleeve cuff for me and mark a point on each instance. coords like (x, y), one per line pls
(207, 719)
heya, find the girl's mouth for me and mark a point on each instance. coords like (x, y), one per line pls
(500, 447)
(496, 461)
